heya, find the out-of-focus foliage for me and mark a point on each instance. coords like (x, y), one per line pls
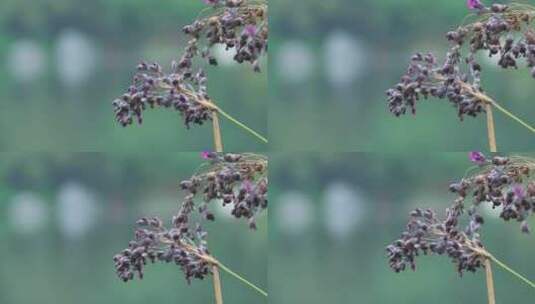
(63, 217)
(350, 53)
(333, 214)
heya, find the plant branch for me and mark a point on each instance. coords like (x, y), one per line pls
(511, 115)
(508, 269)
(237, 276)
(218, 142)
(488, 256)
(490, 128)
(214, 107)
(217, 285)
(214, 262)
(490, 282)
(488, 100)
(241, 125)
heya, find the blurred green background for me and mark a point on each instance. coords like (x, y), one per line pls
(333, 60)
(62, 62)
(64, 216)
(333, 214)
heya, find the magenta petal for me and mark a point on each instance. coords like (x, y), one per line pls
(206, 155)
(474, 4)
(247, 185)
(518, 190)
(477, 158)
(250, 30)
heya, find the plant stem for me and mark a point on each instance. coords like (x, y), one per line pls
(218, 142)
(237, 276)
(490, 128)
(214, 262)
(241, 125)
(507, 268)
(490, 282)
(487, 100)
(217, 285)
(489, 257)
(511, 115)
(209, 104)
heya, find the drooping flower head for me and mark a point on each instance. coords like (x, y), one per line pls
(474, 4)
(477, 158)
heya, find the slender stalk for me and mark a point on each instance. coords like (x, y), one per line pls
(217, 285)
(241, 125)
(237, 276)
(488, 256)
(488, 100)
(490, 128)
(214, 107)
(508, 269)
(218, 142)
(214, 262)
(511, 115)
(490, 282)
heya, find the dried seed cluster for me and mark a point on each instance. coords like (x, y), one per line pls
(426, 234)
(501, 181)
(505, 183)
(501, 31)
(241, 25)
(155, 243)
(237, 24)
(236, 179)
(180, 90)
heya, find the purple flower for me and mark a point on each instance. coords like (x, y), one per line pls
(474, 4)
(207, 155)
(477, 158)
(519, 192)
(211, 2)
(250, 30)
(247, 185)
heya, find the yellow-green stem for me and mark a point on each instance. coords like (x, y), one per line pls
(214, 262)
(237, 276)
(218, 294)
(490, 282)
(486, 99)
(508, 269)
(490, 128)
(511, 115)
(218, 141)
(241, 125)
(211, 105)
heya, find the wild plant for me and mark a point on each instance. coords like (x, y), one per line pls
(237, 180)
(502, 31)
(502, 183)
(237, 25)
